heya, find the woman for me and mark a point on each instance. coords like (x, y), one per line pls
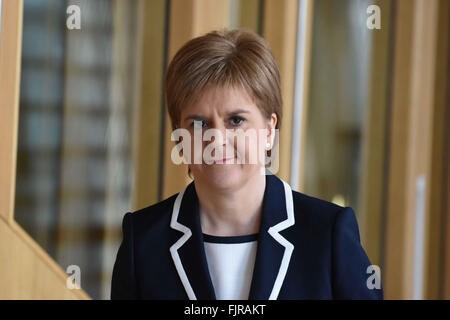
(234, 233)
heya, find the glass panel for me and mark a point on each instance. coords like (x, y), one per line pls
(77, 104)
(338, 110)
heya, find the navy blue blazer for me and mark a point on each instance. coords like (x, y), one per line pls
(307, 249)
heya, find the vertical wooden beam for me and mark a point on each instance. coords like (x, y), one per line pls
(10, 58)
(280, 31)
(437, 249)
(148, 119)
(410, 152)
(445, 272)
(188, 19)
(210, 15)
(422, 107)
(399, 143)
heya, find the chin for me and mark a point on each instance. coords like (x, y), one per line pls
(222, 176)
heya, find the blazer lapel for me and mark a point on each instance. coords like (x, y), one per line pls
(188, 252)
(274, 251)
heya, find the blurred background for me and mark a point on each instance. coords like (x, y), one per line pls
(85, 136)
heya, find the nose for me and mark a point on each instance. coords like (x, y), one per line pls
(218, 125)
(220, 143)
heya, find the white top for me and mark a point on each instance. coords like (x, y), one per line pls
(231, 262)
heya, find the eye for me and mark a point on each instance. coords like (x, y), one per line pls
(237, 121)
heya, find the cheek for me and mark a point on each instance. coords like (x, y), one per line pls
(250, 148)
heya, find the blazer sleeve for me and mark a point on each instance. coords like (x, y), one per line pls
(352, 277)
(123, 284)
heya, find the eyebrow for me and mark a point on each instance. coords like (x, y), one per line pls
(200, 117)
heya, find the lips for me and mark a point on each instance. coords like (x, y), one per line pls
(223, 161)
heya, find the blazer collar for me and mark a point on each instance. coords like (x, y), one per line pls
(273, 252)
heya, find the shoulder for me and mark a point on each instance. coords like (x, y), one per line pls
(314, 208)
(157, 215)
(324, 216)
(319, 215)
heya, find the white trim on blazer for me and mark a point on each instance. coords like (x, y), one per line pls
(289, 247)
(273, 231)
(177, 245)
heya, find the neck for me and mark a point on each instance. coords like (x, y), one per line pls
(232, 212)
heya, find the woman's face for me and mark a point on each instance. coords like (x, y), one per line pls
(228, 109)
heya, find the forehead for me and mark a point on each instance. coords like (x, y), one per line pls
(218, 99)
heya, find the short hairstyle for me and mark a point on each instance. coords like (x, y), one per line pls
(238, 58)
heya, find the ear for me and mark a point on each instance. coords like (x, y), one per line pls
(271, 125)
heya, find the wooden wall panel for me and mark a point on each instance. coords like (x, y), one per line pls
(411, 140)
(9, 95)
(27, 272)
(445, 271)
(437, 246)
(399, 144)
(148, 118)
(280, 31)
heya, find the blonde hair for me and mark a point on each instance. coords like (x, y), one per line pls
(238, 58)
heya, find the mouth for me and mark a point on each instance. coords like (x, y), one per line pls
(223, 161)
